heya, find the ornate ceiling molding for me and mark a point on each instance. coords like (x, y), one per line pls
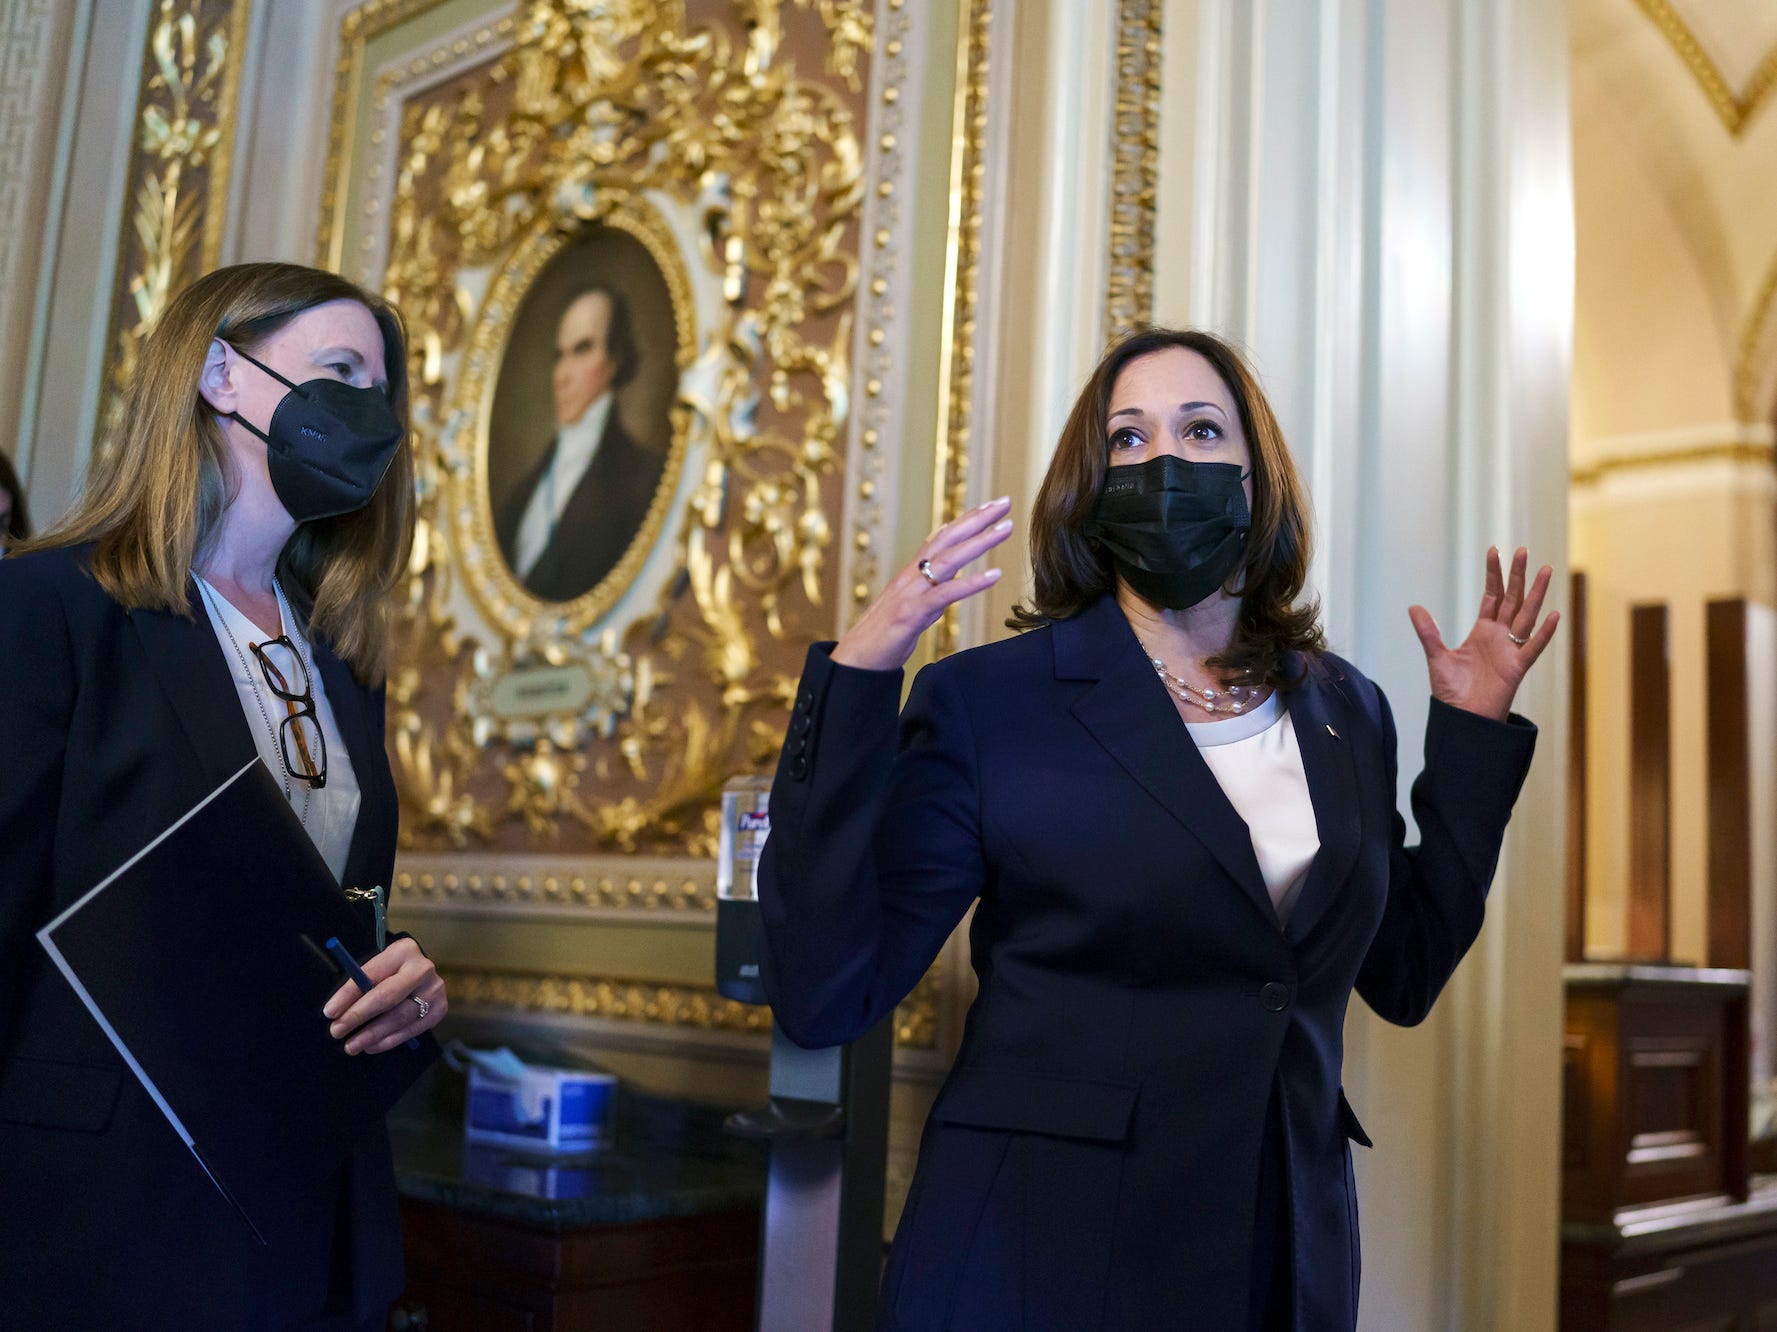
(1735, 107)
(1753, 371)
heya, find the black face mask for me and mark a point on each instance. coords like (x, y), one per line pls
(1176, 529)
(328, 446)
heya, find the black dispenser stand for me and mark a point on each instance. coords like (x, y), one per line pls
(820, 1254)
(820, 1257)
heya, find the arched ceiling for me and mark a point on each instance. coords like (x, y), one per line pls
(1730, 47)
(1681, 90)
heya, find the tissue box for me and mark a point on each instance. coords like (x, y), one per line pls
(545, 1109)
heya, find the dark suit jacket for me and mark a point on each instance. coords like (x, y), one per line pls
(602, 517)
(1094, 1157)
(114, 724)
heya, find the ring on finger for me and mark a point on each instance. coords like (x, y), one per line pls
(1519, 641)
(425, 1007)
(925, 572)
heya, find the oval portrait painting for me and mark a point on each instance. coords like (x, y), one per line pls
(580, 428)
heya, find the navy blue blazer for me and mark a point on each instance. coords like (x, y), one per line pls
(1094, 1157)
(112, 724)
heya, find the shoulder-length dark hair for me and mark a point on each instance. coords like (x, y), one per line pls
(18, 524)
(1072, 571)
(155, 497)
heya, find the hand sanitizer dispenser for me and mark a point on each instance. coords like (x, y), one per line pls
(820, 1254)
(746, 821)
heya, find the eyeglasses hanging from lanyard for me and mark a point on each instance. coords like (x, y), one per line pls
(300, 739)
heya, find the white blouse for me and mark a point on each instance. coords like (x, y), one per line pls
(1255, 759)
(330, 814)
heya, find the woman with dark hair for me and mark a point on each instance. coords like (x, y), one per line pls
(15, 519)
(220, 591)
(1174, 811)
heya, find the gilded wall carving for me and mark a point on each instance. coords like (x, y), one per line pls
(1135, 168)
(651, 1002)
(176, 202)
(560, 754)
(956, 372)
(608, 720)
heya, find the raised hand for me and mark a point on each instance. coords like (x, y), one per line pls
(1483, 674)
(882, 638)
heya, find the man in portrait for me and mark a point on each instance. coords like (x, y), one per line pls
(566, 523)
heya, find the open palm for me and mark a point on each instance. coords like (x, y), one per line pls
(1482, 674)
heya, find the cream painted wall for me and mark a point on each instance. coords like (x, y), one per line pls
(1677, 230)
(1651, 350)
(1650, 538)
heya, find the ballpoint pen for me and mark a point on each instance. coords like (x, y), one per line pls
(349, 965)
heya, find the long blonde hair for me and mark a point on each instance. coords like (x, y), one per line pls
(154, 499)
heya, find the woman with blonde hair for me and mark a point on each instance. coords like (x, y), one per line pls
(220, 590)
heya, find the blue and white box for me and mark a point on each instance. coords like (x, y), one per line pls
(525, 1105)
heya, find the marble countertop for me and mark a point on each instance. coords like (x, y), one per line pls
(664, 1158)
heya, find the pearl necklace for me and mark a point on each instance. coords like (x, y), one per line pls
(252, 676)
(1238, 697)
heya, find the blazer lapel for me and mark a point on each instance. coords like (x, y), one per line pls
(368, 762)
(187, 661)
(1129, 713)
(1324, 737)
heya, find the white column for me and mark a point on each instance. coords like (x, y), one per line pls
(1379, 209)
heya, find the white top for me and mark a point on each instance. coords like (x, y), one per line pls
(574, 446)
(330, 814)
(1255, 759)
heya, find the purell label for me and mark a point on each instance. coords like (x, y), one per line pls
(746, 822)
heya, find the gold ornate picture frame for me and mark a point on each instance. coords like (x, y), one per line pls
(560, 761)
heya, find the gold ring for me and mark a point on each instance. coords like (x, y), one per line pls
(925, 570)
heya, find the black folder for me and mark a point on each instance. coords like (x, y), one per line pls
(202, 958)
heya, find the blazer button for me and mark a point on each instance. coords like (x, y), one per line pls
(1275, 997)
(805, 702)
(799, 768)
(801, 723)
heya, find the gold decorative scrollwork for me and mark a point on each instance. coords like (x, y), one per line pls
(604, 115)
(583, 996)
(1135, 168)
(916, 1020)
(957, 341)
(178, 173)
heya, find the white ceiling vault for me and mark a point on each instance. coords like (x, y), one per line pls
(1674, 114)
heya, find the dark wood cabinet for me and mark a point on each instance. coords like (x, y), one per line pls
(1662, 1226)
(467, 1273)
(657, 1228)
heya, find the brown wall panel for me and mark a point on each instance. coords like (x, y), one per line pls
(1650, 785)
(1729, 791)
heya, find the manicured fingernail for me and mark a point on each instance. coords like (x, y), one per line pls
(336, 1030)
(352, 1047)
(1003, 525)
(992, 575)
